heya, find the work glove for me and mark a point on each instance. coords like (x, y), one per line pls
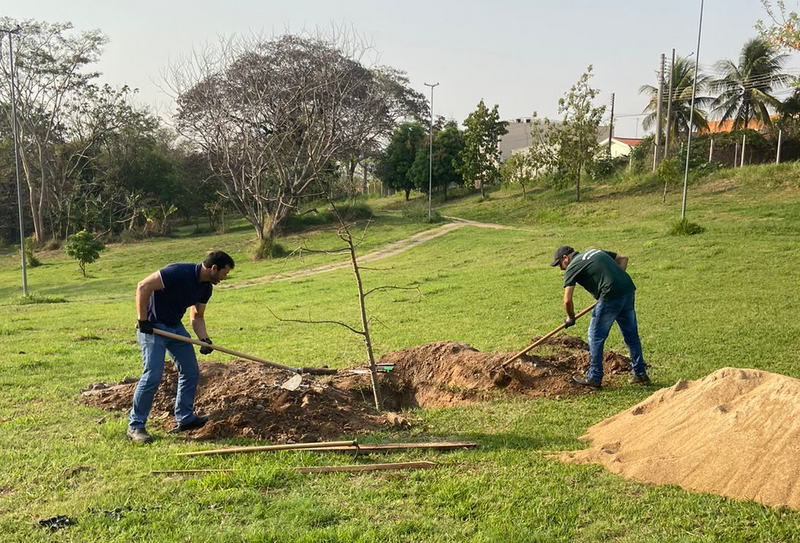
(569, 321)
(206, 350)
(145, 327)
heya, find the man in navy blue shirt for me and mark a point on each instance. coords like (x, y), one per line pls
(162, 299)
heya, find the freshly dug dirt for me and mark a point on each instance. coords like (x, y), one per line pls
(246, 398)
(735, 433)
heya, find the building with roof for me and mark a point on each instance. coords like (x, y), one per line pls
(620, 146)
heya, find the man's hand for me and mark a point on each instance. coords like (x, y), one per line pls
(145, 327)
(569, 321)
(206, 350)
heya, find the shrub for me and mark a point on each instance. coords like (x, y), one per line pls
(267, 249)
(418, 212)
(667, 171)
(30, 259)
(83, 248)
(356, 211)
(52, 244)
(685, 228)
(39, 299)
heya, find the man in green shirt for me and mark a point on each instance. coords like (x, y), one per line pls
(603, 275)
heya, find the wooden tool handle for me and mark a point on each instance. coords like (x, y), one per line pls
(546, 336)
(224, 350)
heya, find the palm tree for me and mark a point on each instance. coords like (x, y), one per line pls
(681, 78)
(744, 89)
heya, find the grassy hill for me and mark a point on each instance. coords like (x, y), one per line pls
(726, 297)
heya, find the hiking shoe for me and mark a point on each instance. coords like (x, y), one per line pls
(196, 423)
(581, 380)
(640, 380)
(139, 435)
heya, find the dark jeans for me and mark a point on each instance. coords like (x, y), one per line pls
(603, 316)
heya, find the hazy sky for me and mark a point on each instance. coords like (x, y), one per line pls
(522, 55)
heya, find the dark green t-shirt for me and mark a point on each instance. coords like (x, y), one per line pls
(599, 273)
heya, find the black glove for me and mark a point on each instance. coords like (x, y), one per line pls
(206, 350)
(145, 327)
(569, 321)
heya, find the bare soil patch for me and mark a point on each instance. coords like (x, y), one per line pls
(246, 398)
(735, 433)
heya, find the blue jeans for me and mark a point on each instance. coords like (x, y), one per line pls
(154, 348)
(603, 316)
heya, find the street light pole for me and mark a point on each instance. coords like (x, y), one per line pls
(691, 114)
(430, 153)
(16, 157)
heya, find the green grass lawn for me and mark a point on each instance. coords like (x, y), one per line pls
(726, 297)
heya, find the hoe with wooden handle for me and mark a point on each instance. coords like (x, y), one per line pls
(544, 337)
(311, 371)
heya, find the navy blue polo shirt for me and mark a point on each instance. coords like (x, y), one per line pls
(182, 289)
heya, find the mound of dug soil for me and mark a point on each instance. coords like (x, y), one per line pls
(446, 374)
(247, 399)
(735, 433)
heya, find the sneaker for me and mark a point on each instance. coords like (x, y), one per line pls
(581, 380)
(640, 380)
(196, 423)
(139, 435)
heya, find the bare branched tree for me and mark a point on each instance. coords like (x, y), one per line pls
(273, 116)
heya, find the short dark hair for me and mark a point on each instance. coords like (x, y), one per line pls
(220, 259)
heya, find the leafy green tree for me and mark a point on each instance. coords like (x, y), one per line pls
(399, 156)
(681, 78)
(480, 157)
(745, 89)
(84, 248)
(577, 134)
(516, 170)
(448, 142)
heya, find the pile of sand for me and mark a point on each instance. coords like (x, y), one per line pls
(735, 432)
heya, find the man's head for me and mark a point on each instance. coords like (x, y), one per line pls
(219, 265)
(562, 256)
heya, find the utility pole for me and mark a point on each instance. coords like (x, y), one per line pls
(659, 104)
(778, 154)
(430, 153)
(16, 157)
(669, 105)
(611, 126)
(691, 113)
(744, 144)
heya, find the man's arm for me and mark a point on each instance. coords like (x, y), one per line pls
(145, 289)
(622, 261)
(569, 307)
(198, 315)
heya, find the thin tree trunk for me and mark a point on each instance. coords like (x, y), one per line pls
(365, 185)
(373, 368)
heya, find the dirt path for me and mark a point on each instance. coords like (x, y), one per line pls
(392, 249)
